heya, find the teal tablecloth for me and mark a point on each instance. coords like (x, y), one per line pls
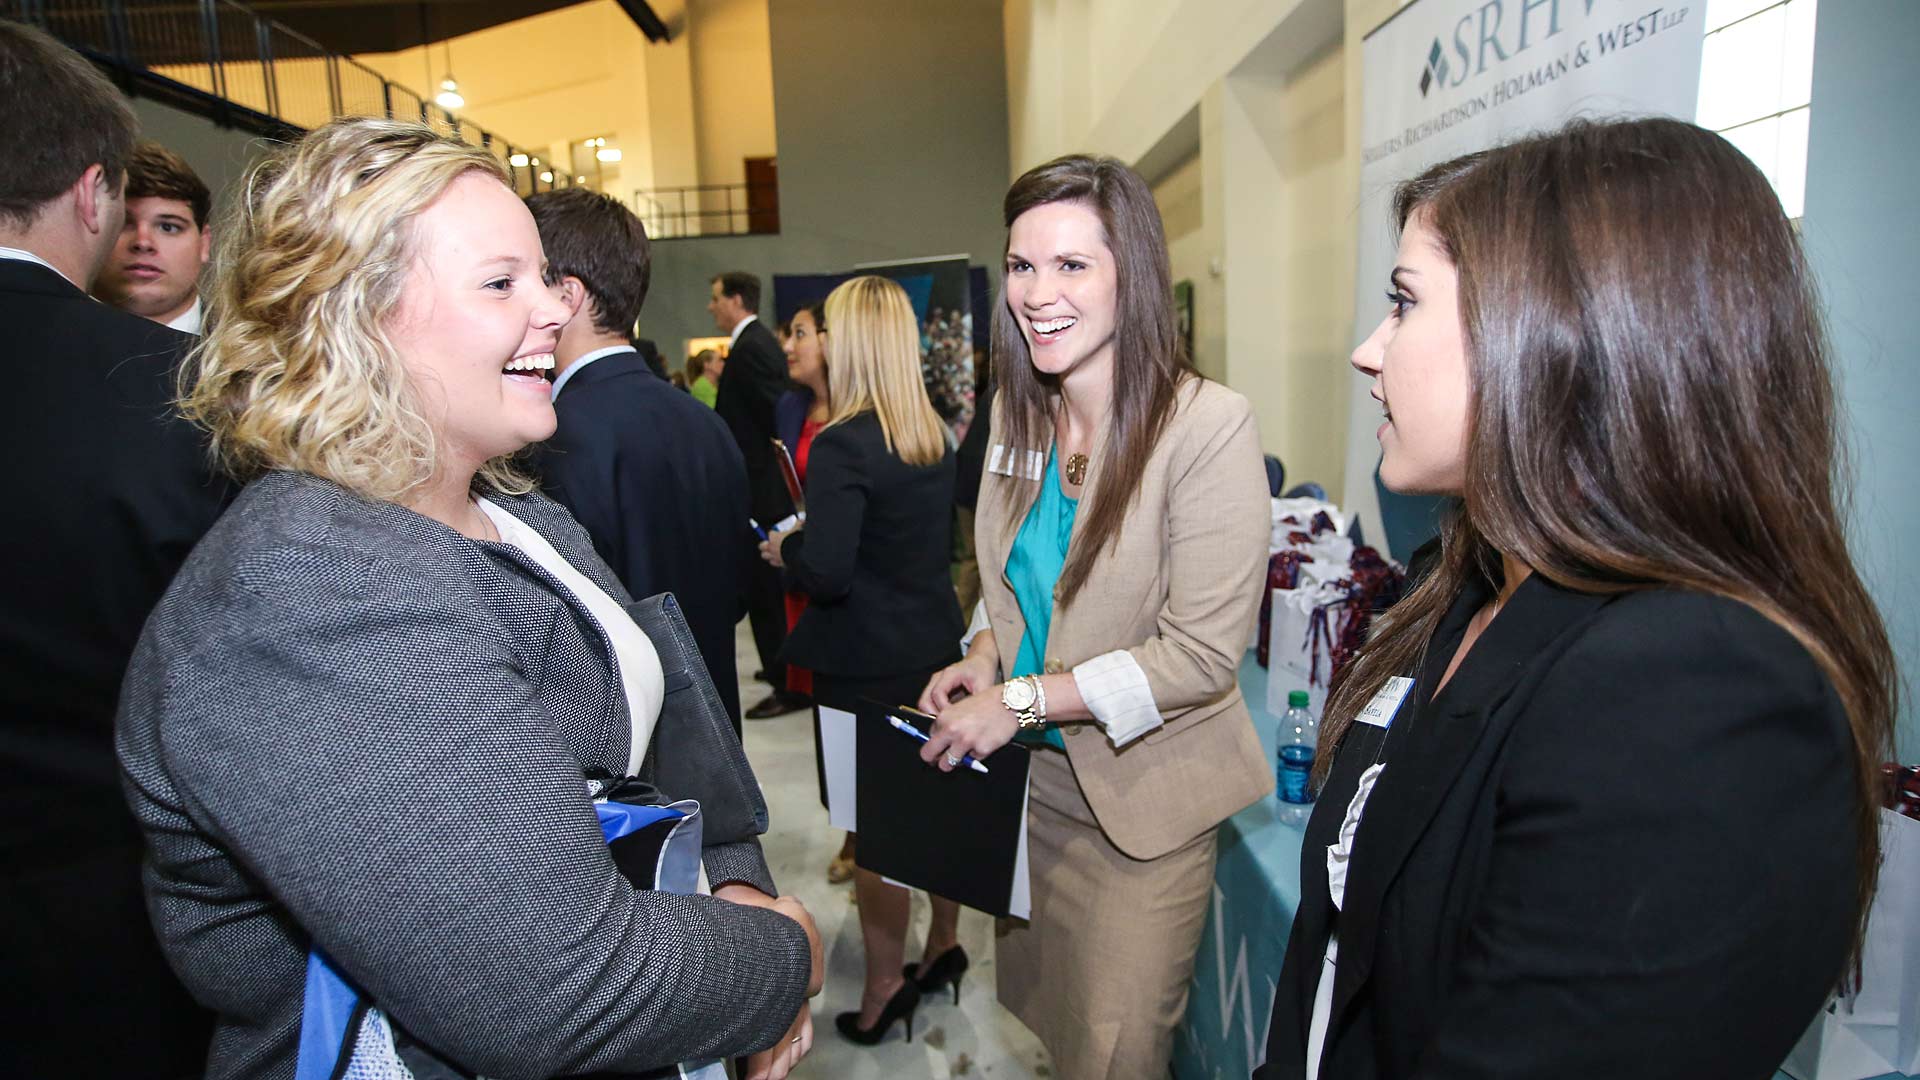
(1256, 889)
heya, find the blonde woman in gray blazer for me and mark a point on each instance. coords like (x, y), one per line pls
(1122, 531)
(370, 714)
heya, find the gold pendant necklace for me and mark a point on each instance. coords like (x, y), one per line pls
(1076, 469)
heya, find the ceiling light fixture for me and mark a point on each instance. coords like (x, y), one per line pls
(449, 96)
(518, 161)
(608, 154)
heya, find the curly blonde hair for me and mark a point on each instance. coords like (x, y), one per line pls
(297, 370)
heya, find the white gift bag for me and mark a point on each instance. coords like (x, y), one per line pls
(1877, 1030)
(1299, 653)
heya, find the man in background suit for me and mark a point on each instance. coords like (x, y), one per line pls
(108, 494)
(652, 474)
(754, 379)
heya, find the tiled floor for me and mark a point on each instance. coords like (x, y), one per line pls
(977, 1039)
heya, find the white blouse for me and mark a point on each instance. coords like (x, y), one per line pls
(633, 654)
(1339, 855)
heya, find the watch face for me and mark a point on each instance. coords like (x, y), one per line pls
(1018, 695)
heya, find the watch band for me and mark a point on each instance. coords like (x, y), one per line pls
(1034, 716)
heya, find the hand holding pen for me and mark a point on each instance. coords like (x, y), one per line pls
(902, 725)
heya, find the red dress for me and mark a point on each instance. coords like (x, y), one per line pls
(799, 679)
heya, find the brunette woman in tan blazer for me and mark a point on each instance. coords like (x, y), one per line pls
(1122, 531)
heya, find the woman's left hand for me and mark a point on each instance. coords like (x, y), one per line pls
(770, 547)
(778, 1060)
(975, 726)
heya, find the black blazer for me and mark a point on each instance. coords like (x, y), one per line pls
(659, 485)
(108, 493)
(1619, 844)
(754, 379)
(873, 559)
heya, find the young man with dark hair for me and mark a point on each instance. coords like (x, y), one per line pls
(116, 495)
(154, 271)
(754, 378)
(652, 474)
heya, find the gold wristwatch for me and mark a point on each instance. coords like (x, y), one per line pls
(1027, 701)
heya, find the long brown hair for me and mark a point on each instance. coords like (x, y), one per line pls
(1651, 406)
(1149, 360)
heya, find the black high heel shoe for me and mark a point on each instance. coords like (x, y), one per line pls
(899, 1007)
(949, 967)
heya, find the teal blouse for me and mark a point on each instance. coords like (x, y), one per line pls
(1033, 566)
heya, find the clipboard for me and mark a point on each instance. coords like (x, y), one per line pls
(959, 834)
(791, 475)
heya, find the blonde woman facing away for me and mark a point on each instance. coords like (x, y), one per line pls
(1122, 532)
(368, 717)
(881, 614)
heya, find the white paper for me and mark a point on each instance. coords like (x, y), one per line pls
(1020, 900)
(836, 747)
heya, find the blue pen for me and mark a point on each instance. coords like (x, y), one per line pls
(762, 533)
(922, 736)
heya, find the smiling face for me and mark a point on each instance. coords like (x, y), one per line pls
(1417, 357)
(1061, 288)
(476, 326)
(806, 354)
(154, 270)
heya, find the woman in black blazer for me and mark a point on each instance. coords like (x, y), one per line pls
(1621, 822)
(873, 557)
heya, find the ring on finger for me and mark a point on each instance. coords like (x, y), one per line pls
(953, 761)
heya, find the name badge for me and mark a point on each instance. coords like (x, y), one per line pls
(1379, 712)
(1027, 464)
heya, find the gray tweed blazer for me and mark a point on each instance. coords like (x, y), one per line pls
(346, 725)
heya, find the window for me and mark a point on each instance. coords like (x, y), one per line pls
(1756, 86)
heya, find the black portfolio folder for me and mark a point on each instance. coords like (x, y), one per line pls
(955, 834)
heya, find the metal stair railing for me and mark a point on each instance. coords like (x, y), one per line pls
(225, 61)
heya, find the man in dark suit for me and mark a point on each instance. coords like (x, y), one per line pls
(108, 494)
(651, 473)
(754, 379)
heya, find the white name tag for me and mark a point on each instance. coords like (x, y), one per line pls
(1379, 712)
(1028, 464)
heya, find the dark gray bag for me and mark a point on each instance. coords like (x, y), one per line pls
(695, 753)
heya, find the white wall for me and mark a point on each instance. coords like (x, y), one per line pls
(1289, 234)
(1272, 166)
(732, 73)
(1860, 233)
(1191, 249)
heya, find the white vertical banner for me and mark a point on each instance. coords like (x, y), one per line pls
(1444, 78)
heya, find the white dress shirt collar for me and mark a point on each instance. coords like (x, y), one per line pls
(21, 255)
(584, 361)
(189, 320)
(734, 338)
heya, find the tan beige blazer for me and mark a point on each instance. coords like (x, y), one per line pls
(1178, 591)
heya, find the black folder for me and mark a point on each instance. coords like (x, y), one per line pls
(955, 834)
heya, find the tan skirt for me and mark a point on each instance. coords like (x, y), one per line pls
(1101, 972)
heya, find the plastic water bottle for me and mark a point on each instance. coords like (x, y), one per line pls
(1299, 734)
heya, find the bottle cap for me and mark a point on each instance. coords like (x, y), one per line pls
(1297, 699)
